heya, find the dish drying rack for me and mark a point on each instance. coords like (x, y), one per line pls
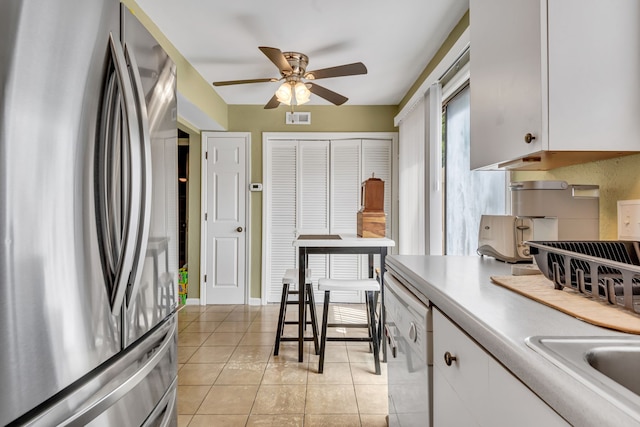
(607, 270)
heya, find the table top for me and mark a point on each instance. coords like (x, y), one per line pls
(343, 240)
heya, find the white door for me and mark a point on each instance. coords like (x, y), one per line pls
(224, 198)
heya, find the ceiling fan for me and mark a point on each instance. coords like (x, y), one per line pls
(293, 70)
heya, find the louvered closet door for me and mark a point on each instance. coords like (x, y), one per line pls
(281, 199)
(313, 187)
(345, 203)
(376, 159)
(313, 195)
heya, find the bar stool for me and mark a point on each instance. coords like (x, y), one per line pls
(371, 287)
(291, 278)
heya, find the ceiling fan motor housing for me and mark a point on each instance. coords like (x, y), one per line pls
(298, 62)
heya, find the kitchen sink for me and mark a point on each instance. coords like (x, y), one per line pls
(620, 363)
(610, 366)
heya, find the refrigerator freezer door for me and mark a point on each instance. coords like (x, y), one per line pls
(152, 293)
(55, 323)
(137, 388)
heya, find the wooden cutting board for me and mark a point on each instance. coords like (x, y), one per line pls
(600, 313)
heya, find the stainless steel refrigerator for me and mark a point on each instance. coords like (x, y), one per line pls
(88, 183)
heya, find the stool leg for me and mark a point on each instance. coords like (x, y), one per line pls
(367, 299)
(323, 339)
(281, 316)
(314, 320)
(373, 333)
(303, 291)
(376, 299)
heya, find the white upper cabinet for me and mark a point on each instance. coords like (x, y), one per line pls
(553, 82)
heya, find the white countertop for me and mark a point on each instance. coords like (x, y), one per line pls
(345, 240)
(500, 320)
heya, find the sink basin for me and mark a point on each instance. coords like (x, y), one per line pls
(620, 363)
(610, 366)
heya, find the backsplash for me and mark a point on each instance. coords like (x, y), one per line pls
(619, 179)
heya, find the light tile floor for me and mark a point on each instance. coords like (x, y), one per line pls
(228, 375)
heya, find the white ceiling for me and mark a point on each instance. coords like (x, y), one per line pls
(394, 39)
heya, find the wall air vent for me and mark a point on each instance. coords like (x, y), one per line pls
(298, 118)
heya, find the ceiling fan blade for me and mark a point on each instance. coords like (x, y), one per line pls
(339, 71)
(241, 82)
(327, 94)
(273, 103)
(276, 56)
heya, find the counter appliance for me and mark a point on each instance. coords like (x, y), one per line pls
(88, 180)
(576, 206)
(544, 211)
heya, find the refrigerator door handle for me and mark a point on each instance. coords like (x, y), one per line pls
(107, 195)
(134, 183)
(146, 176)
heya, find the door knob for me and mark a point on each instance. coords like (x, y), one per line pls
(239, 229)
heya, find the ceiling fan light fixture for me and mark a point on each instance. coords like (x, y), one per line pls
(283, 94)
(302, 93)
(293, 93)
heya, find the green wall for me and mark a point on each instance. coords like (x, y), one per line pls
(255, 119)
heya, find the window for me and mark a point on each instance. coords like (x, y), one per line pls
(468, 194)
(441, 199)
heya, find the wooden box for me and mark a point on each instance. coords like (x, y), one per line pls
(371, 224)
(372, 195)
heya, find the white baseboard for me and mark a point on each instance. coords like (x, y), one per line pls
(196, 301)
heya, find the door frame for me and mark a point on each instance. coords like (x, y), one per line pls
(203, 207)
(267, 137)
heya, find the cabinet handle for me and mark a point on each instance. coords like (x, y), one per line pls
(528, 138)
(449, 358)
(239, 229)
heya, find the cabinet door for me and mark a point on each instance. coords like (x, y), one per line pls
(448, 409)
(475, 385)
(467, 375)
(512, 403)
(506, 80)
(594, 75)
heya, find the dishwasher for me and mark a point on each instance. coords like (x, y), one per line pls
(409, 339)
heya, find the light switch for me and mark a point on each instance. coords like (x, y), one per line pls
(629, 220)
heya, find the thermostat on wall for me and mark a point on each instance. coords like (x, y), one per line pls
(255, 186)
